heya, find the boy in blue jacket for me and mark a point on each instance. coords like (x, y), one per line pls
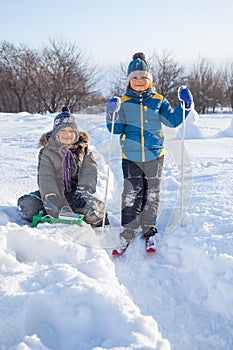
(138, 117)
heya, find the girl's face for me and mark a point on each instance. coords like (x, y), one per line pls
(140, 84)
(67, 136)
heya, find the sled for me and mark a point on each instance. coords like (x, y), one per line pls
(67, 218)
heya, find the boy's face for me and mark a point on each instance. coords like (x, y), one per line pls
(67, 136)
(140, 84)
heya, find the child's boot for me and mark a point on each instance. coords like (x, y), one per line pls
(149, 231)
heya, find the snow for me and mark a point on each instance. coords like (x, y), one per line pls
(60, 288)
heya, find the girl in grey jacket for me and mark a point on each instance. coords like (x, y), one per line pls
(67, 174)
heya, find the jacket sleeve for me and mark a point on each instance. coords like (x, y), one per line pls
(50, 181)
(170, 117)
(88, 171)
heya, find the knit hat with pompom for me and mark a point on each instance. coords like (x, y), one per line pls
(138, 67)
(64, 120)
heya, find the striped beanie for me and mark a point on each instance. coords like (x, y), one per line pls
(138, 67)
(64, 120)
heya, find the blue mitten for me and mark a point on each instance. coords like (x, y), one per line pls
(113, 106)
(185, 96)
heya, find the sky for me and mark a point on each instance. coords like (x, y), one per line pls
(110, 32)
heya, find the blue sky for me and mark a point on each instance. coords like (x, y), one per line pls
(111, 31)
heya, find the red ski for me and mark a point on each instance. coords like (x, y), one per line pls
(117, 252)
(150, 245)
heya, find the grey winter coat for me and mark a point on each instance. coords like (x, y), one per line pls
(51, 156)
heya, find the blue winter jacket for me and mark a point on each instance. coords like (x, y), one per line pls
(140, 124)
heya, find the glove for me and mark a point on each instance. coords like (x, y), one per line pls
(78, 201)
(185, 95)
(113, 106)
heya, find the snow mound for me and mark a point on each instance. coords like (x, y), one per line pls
(65, 293)
(228, 132)
(192, 130)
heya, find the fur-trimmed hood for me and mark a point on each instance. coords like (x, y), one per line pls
(83, 139)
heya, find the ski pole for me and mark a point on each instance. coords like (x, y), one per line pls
(182, 165)
(108, 171)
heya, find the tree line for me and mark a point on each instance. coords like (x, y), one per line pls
(40, 81)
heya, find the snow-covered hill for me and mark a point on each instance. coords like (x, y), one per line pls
(60, 288)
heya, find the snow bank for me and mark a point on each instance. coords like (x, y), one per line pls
(59, 294)
(60, 288)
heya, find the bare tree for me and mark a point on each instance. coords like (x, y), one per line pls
(206, 84)
(168, 75)
(118, 80)
(217, 90)
(43, 81)
(63, 76)
(16, 65)
(228, 83)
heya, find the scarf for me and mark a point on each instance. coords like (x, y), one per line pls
(69, 163)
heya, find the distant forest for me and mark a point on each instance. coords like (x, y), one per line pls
(41, 81)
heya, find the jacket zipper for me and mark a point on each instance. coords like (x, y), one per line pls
(142, 129)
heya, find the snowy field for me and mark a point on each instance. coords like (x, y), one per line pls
(60, 289)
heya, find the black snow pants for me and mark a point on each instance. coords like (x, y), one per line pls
(141, 193)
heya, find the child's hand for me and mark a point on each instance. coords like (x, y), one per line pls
(113, 106)
(185, 95)
(78, 201)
